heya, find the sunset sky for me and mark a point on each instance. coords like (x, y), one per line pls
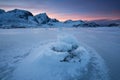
(68, 9)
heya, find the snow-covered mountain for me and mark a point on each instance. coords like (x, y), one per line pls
(106, 22)
(21, 19)
(16, 19)
(74, 23)
(42, 18)
(2, 11)
(80, 23)
(24, 19)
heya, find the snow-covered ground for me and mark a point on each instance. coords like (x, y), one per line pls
(60, 54)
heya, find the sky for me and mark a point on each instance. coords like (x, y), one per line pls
(68, 9)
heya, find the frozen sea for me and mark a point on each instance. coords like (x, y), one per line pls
(17, 47)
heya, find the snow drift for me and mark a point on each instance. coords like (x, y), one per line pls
(62, 59)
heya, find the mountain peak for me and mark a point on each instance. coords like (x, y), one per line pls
(23, 18)
(42, 18)
(42, 15)
(2, 11)
(68, 21)
(20, 12)
(71, 21)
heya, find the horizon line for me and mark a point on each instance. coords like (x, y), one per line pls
(36, 13)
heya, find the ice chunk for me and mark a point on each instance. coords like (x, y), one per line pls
(61, 47)
(68, 39)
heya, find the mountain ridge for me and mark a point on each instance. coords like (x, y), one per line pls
(18, 18)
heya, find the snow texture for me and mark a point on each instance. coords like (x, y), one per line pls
(62, 59)
(38, 54)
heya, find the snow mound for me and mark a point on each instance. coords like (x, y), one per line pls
(68, 39)
(63, 59)
(61, 47)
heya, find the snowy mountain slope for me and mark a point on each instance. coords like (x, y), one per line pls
(76, 23)
(42, 18)
(80, 23)
(2, 11)
(16, 18)
(20, 13)
(70, 24)
(21, 19)
(106, 22)
(24, 19)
